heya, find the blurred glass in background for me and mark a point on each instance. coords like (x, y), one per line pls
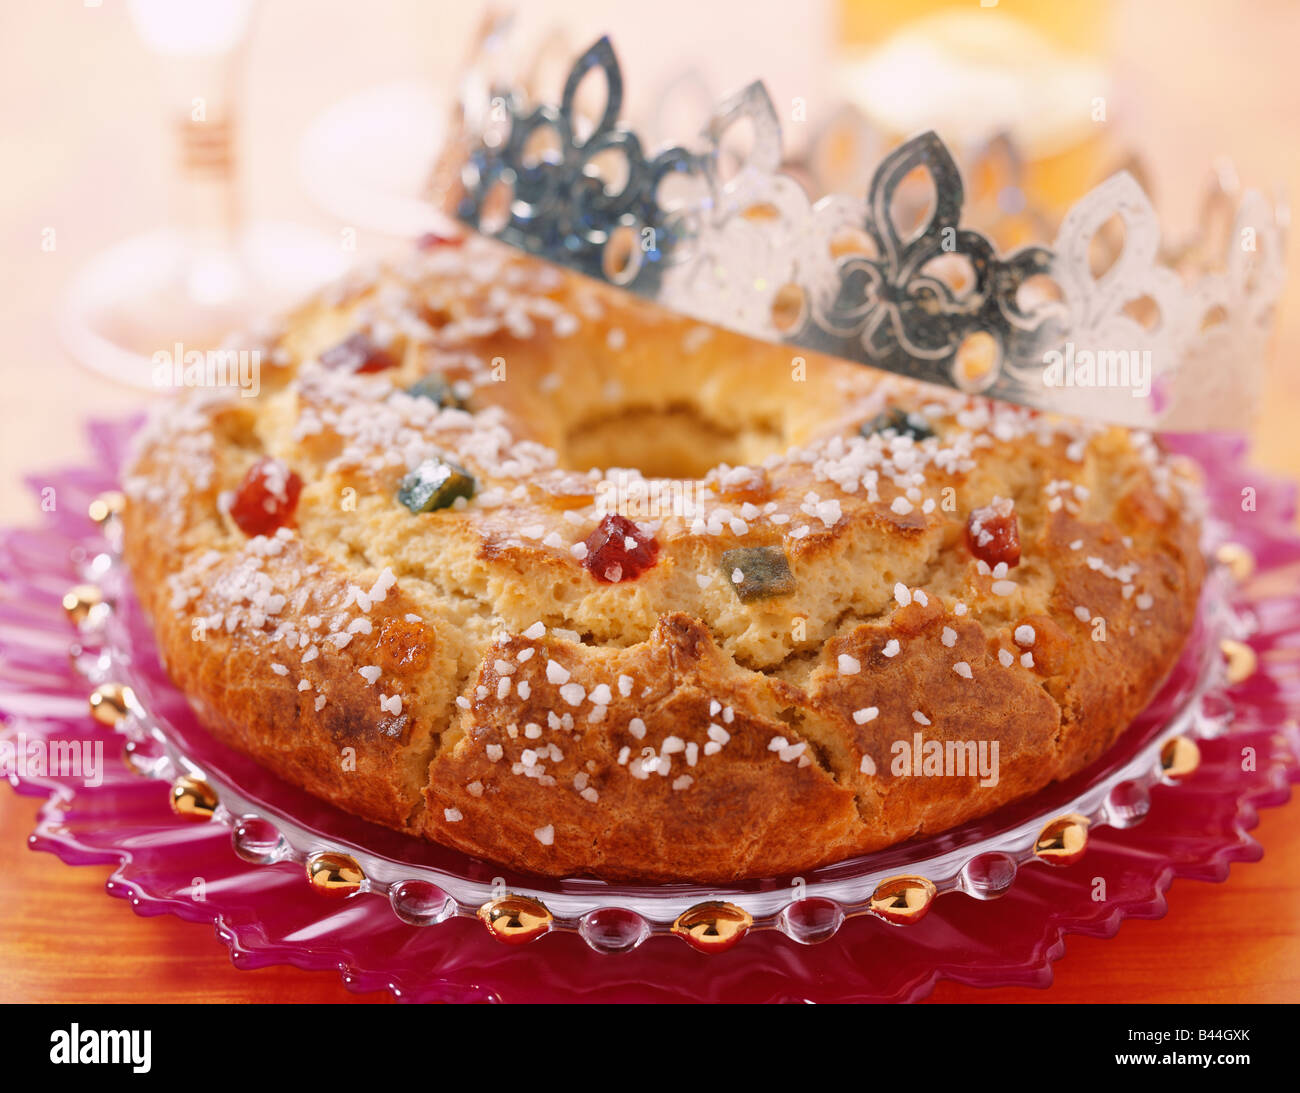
(208, 271)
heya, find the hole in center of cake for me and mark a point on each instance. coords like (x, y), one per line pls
(676, 441)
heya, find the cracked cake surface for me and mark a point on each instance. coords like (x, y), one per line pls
(512, 561)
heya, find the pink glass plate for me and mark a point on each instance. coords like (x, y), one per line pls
(412, 929)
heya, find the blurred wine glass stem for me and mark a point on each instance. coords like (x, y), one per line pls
(201, 47)
(207, 210)
(209, 271)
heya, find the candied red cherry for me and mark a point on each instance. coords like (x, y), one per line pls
(358, 353)
(266, 498)
(993, 533)
(618, 550)
(434, 240)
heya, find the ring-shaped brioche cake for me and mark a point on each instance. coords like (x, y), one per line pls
(820, 610)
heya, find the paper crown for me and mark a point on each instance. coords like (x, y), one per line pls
(1151, 342)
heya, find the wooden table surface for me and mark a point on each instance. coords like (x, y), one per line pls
(1200, 79)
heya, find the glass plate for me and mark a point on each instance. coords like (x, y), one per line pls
(1171, 798)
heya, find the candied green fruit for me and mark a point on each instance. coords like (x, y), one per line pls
(899, 421)
(763, 572)
(435, 484)
(436, 388)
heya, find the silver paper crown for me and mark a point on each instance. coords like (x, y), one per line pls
(1147, 343)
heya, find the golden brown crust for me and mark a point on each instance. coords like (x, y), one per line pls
(461, 675)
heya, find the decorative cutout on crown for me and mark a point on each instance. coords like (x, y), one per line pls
(1148, 343)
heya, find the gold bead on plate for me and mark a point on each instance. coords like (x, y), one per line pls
(81, 601)
(515, 920)
(192, 798)
(334, 874)
(1241, 659)
(1063, 841)
(110, 703)
(903, 900)
(713, 927)
(1179, 757)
